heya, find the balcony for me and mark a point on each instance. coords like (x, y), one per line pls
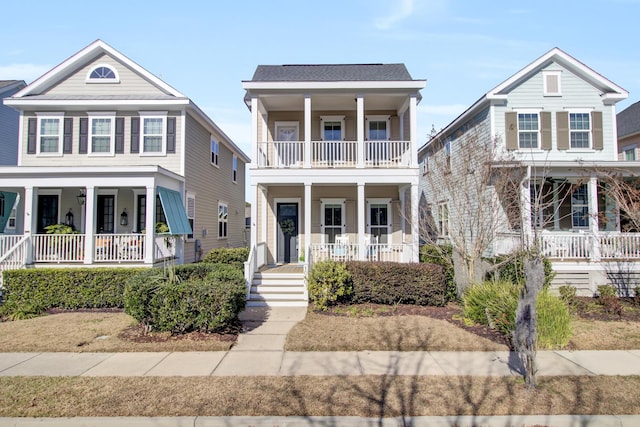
(334, 154)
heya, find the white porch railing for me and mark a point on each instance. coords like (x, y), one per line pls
(58, 247)
(334, 154)
(15, 257)
(118, 247)
(256, 259)
(390, 154)
(281, 154)
(8, 241)
(620, 246)
(350, 252)
(567, 245)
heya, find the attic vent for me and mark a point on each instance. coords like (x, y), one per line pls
(551, 83)
(103, 74)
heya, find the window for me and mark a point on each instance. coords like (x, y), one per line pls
(234, 176)
(191, 212)
(102, 74)
(333, 214)
(153, 133)
(443, 219)
(223, 219)
(580, 207)
(551, 83)
(579, 130)
(49, 135)
(629, 153)
(11, 221)
(377, 130)
(380, 220)
(141, 218)
(215, 151)
(447, 153)
(528, 127)
(332, 130)
(101, 134)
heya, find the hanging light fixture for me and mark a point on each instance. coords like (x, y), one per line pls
(81, 198)
(124, 218)
(69, 218)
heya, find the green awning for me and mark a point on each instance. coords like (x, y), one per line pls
(174, 211)
(7, 200)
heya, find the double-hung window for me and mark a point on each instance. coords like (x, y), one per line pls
(191, 213)
(580, 207)
(153, 133)
(528, 130)
(215, 151)
(333, 216)
(629, 153)
(223, 220)
(234, 173)
(102, 134)
(49, 134)
(443, 219)
(580, 130)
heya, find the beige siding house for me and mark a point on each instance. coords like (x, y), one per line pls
(334, 172)
(134, 167)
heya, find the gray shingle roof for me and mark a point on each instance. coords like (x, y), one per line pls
(5, 83)
(331, 72)
(629, 120)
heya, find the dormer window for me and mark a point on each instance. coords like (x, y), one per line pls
(103, 74)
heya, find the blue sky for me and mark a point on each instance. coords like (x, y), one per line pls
(206, 48)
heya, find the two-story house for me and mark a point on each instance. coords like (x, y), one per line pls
(629, 133)
(9, 121)
(133, 166)
(334, 172)
(555, 120)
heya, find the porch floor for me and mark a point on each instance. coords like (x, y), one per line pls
(283, 269)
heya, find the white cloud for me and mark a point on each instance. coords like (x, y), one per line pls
(26, 72)
(401, 9)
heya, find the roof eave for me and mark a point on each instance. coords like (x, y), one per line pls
(287, 85)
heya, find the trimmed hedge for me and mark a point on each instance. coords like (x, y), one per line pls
(393, 283)
(232, 256)
(166, 302)
(441, 255)
(329, 283)
(33, 291)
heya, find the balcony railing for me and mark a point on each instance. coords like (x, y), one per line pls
(58, 247)
(351, 252)
(334, 154)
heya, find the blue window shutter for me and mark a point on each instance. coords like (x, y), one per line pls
(67, 136)
(135, 134)
(32, 130)
(120, 135)
(171, 135)
(9, 200)
(84, 135)
(174, 211)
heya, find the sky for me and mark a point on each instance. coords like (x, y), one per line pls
(204, 49)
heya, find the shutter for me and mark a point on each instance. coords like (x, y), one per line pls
(545, 118)
(171, 134)
(394, 132)
(32, 130)
(511, 130)
(562, 124)
(596, 126)
(119, 135)
(67, 140)
(84, 135)
(135, 134)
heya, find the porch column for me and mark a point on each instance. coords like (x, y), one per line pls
(307, 131)
(264, 207)
(401, 117)
(525, 203)
(255, 115)
(415, 226)
(360, 131)
(150, 225)
(253, 241)
(307, 222)
(413, 129)
(30, 214)
(593, 219)
(90, 220)
(361, 223)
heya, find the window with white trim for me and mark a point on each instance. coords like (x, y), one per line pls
(333, 219)
(234, 176)
(443, 219)
(191, 213)
(153, 133)
(102, 73)
(528, 130)
(11, 221)
(377, 128)
(447, 153)
(49, 135)
(580, 207)
(101, 134)
(629, 153)
(215, 151)
(551, 83)
(223, 220)
(580, 130)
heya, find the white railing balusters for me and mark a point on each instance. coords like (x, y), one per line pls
(373, 252)
(58, 247)
(15, 257)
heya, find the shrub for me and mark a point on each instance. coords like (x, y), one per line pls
(30, 292)
(329, 282)
(608, 298)
(511, 269)
(227, 255)
(442, 255)
(553, 322)
(393, 283)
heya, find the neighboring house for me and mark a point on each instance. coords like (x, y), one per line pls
(111, 150)
(9, 121)
(334, 172)
(629, 133)
(556, 119)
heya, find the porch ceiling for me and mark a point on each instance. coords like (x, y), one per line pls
(332, 101)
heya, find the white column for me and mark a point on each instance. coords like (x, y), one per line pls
(415, 226)
(413, 130)
(525, 203)
(307, 131)
(90, 221)
(361, 222)
(401, 117)
(593, 218)
(150, 225)
(30, 214)
(307, 221)
(255, 114)
(253, 239)
(360, 131)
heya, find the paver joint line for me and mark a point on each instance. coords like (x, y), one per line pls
(573, 362)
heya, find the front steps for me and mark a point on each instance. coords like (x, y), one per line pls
(277, 288)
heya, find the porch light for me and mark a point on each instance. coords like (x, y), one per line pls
(124, 218)
(69, 218)
(81, 198)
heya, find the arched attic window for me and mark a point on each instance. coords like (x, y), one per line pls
(103, 73)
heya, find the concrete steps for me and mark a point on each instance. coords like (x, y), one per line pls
(277, 289)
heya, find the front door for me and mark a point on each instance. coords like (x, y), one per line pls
(47, 211)
(287, 240)
(106, 212)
